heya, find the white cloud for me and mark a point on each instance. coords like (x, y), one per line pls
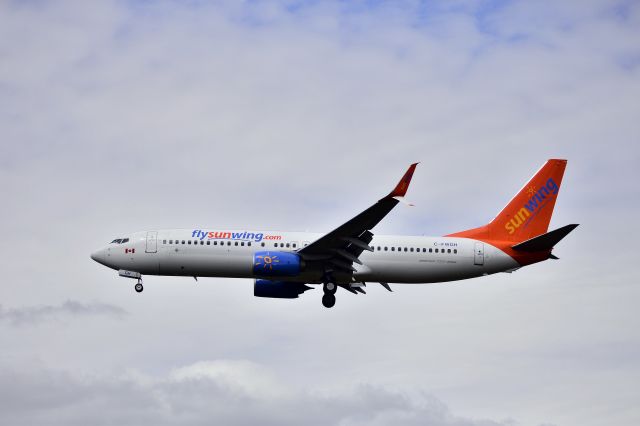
(242, 377)
(219, 392)
(32, 315)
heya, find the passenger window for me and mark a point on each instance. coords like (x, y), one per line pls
(436, 250)
(287, 245)
(405, 249)
(249, 244)
(189, 242)
(411, 249)
(228, 243)
(242, 244)
(215, 243)
(201, 243)
(236, 244)
(430, 250)
(294, 245)
(262, 244)
(275, 244)
(455, 251)
(448, 250)
(393, 249)
(385, 249)
(424, 250)
(208, 243)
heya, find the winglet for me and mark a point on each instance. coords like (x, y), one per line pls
(401, 188)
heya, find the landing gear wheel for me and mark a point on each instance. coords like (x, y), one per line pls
(328, 300)
(330, 288)
(139, 287)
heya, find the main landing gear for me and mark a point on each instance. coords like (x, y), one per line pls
(329, 297)
(138, 287)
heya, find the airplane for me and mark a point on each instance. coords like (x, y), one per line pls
(286, 264)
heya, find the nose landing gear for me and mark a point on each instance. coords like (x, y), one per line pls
(132, 274)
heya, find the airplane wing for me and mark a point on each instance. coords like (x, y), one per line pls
(340, 248)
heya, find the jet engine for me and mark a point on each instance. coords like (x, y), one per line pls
(279, 289)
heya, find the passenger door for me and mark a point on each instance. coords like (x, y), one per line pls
(152, 242)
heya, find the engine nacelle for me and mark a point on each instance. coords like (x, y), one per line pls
(276, 264)
(279, 289)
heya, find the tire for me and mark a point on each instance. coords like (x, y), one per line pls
(138, 287)
(328, 300)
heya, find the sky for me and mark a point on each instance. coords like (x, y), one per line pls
(120, 116)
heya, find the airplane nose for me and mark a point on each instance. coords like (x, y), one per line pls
(98, 256)
(103, 257)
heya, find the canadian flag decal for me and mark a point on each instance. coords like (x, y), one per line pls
(127, 250)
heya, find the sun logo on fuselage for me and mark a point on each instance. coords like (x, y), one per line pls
(267, 261)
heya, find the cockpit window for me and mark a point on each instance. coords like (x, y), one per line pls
(119, 241)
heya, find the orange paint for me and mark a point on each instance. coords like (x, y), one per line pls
(401, 188)
(526, 216)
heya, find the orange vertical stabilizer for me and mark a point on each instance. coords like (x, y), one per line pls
(528, 214)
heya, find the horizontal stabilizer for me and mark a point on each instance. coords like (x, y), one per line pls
(545, 241)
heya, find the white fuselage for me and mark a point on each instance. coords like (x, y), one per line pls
(394, 259)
